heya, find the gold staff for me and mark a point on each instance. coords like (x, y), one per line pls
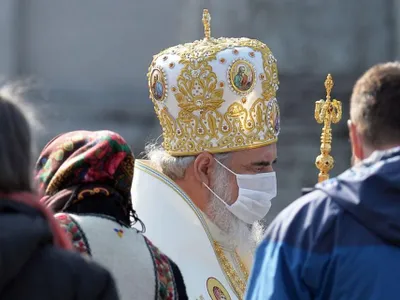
(326, 111)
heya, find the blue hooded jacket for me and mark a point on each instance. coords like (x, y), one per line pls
(341, 241)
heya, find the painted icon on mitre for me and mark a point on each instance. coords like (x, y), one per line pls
(274, 116)
(157, 85)
(242, 76)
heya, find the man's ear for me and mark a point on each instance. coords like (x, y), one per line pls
(356, 141)
(203, 166)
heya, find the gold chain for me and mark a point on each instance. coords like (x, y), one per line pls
(236, 282)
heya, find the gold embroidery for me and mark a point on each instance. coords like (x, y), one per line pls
(243, 268)
(197, 88)
(93, 191)
(237, 284)
(204, 114)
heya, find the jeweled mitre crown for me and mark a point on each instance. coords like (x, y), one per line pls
(215, 95)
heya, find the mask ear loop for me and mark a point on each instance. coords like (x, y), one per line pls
(218, 197)
(225, 167)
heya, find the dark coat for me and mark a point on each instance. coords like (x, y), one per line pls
(31, 267)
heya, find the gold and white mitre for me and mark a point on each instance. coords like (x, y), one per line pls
(215, 95)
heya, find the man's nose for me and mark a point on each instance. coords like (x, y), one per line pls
(269, 169)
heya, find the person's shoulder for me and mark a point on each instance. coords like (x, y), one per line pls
(87, 278)
(312, 202)
(306, 218)
(74, 263)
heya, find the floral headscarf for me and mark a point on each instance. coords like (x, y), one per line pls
(84, 157)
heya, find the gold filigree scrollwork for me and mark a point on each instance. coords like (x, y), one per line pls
(327, 112)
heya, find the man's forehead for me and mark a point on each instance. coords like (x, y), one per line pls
(258, 155)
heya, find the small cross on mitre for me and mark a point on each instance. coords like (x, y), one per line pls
(207, 23)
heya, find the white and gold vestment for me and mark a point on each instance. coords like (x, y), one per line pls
(216, 95)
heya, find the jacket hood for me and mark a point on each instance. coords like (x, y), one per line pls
(370, 192)
(23, 230)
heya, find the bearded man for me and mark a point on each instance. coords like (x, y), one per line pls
(203, 192)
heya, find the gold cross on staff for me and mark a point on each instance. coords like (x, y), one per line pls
(326, 111)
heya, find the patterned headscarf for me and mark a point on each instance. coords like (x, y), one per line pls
(84, 157)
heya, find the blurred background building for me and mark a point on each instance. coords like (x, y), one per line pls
(88, 62)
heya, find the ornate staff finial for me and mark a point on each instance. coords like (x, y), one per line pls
(207, 24)
(326, 111)
(328, 85)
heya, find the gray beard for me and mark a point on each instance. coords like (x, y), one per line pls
(238, 233)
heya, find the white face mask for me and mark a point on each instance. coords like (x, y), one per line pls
(254, 197)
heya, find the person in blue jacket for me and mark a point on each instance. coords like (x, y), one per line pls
(342, 240)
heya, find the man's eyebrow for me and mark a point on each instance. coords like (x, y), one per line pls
(263, 163)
